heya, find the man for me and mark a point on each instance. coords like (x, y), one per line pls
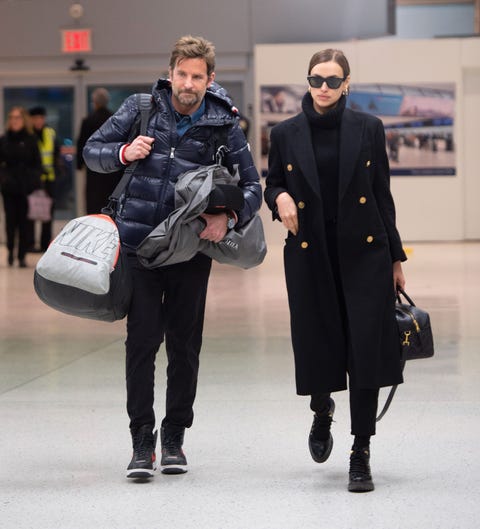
(191, 115)
(49, 148)
(98, 186)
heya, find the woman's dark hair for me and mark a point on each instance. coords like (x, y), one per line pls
(327, 56)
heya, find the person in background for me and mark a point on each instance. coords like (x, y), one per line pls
(328, 182)
(49, 147)
(20, 170)
(244, 123)
(98, 186)
(191, 118)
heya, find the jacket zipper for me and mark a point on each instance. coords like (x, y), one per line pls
(171, 157)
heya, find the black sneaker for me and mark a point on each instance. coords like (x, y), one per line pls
(173, 459)
(143, 463)
(320, 440)
(360, 474)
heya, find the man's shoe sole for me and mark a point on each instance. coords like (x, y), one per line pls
(141, 473)
(173, 469)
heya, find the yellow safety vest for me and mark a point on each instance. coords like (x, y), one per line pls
(47, 152)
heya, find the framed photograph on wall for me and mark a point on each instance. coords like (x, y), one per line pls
(418, 122)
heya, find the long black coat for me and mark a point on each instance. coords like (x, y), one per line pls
(99, 186)
(368, 244)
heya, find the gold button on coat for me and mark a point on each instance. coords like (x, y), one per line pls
(368, 163)
(369, 239)
(301, 205)
(362, 200)
(289, 167)
(304, 245)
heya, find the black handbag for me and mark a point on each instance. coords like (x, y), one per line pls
(414, 328)
(415, 335)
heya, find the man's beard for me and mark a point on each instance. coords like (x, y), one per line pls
(187, 99)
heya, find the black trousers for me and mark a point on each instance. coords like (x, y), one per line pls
(16, 210)
(168, 303)
(363, 402)
(363, 409)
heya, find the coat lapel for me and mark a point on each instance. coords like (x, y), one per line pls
(304, 148)
(351, 136)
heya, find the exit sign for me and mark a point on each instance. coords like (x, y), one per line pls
(76, 40)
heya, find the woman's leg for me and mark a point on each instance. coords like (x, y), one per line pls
(363, 413)
(320, 440)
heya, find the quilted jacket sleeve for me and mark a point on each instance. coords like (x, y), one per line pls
(240, 155)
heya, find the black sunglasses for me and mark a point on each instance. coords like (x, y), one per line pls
(316, 81)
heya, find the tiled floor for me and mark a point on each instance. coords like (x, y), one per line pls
(64, 441)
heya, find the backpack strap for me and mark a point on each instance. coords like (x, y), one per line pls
(144, 103)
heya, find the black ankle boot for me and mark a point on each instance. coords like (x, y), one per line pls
(173, 459)
(359, 474)
(320, 440)
(10, 259)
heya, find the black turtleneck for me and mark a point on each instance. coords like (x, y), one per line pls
(325, 131)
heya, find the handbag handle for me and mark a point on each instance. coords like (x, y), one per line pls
(405, 295)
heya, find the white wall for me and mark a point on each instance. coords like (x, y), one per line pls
(428, 208)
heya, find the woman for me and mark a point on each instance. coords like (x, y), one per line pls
(20, 170)
(328, 183)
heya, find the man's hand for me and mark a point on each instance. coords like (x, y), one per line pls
(216, 227)
(139, 148)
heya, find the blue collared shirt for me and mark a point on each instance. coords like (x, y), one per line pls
(185, 122)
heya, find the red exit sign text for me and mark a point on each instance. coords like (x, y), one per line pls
(76, 40)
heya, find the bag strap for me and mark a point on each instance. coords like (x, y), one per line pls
(144, 102)
(387, 403)
(393, 389)
(390, 396)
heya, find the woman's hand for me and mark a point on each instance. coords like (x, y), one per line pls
(287, 211)
(398, 277)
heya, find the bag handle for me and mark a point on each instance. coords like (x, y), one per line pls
(405, 295)
(144, 102)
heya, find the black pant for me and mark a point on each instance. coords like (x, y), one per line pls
(363, 409)
(167, 302)
(16, 211)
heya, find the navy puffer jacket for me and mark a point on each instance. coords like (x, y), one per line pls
(149, 197)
